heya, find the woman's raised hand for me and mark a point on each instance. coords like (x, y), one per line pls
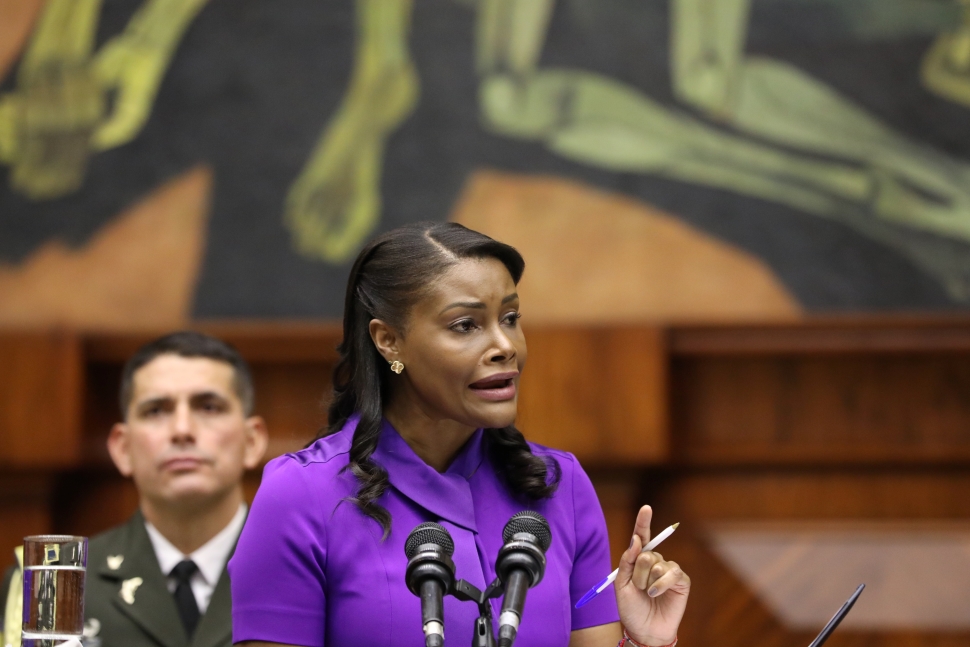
(651, 593)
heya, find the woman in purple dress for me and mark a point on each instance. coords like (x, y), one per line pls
(421, 429)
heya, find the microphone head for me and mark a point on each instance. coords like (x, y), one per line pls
(429, 533)
(531, 522)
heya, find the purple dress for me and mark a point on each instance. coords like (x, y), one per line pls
(311, 569)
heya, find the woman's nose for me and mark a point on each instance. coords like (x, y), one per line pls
(504, 347)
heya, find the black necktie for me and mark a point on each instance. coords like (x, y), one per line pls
(184, 598)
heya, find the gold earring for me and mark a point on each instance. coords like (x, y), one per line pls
(397, 367)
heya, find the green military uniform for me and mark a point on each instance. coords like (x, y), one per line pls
(126, 600)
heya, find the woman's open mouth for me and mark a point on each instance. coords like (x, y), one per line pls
(498, 387)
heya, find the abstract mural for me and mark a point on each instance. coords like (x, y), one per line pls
(654, 159)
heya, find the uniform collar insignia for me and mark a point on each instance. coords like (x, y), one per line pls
(114, 561)
(128, 588)
(92, 627)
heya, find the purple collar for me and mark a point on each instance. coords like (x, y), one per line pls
(447, 494)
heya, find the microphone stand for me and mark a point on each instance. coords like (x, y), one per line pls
(468, 592)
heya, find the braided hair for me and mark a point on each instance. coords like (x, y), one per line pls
(390, 275)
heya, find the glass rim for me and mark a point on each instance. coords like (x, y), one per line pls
(55, 539)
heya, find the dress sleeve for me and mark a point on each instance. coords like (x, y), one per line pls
(592, 562)
(277, 572)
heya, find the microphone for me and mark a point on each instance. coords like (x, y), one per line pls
(520, 565)
(430, 575)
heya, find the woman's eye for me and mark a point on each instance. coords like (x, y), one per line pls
(465, 325)
(512, 318)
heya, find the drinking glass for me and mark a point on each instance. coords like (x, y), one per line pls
(54, 570)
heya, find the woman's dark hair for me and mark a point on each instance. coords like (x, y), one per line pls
(390, 275)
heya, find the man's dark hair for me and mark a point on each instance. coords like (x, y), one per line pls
(189, 344)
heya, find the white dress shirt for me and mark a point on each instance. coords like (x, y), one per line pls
(211, 558)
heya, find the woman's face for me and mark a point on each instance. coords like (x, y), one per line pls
(463, 348)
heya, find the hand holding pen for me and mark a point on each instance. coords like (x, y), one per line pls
(609, 579)
(651, 593)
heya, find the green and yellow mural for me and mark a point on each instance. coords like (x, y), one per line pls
(57, 117)
(752, 159)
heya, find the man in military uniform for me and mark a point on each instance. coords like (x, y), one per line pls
(187, 437)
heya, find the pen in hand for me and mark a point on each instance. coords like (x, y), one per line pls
(599, 588)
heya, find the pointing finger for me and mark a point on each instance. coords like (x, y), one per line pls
(642, 527)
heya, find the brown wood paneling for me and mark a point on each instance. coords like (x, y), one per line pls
(723, 610)
(40, 399)
(89, 501)
(292, 398)
(101, 411)
(620, 493)
(821, 335)
(799, 406)
(287, 342)
(840, 420)
(24, 509)
(597, 392)
(291, 364)
(813, 493)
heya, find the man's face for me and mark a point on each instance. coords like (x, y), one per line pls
(186, 439)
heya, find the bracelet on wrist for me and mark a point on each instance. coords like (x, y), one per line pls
(626, 639)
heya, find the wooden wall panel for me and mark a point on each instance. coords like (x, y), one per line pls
(24, 509)
(620, 493)
(597, 392)
(822, 336)
(291, 365)
(101, 411)
(40, 399)
(836, 421)
(813, 493)
(291, 375)
(872, 408)
(292, 398)
(723, 610)
(89, 501)
(292, 342)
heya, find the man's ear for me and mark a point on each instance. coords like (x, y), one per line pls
(386, 339)
(119, 447)
(257, 438)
